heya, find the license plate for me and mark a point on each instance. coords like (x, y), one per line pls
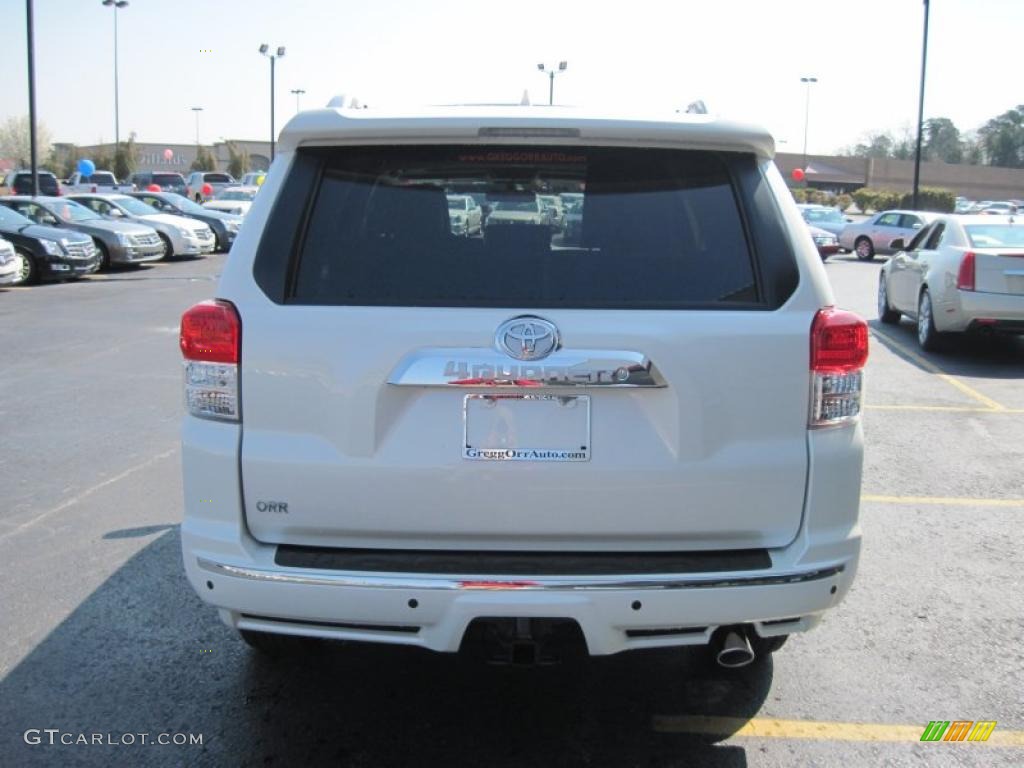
(506, 427)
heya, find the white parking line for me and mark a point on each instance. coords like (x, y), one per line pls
(953, 501)
(86, 493)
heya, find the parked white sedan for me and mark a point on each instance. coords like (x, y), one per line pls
(236, 200)
(465, 215)
(959, 273)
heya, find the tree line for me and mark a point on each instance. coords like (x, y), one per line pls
(62, 159)
(999, 142)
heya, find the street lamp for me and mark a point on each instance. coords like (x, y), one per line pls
(30, 38)
(197, 110)
(808, 81)
(920, 111)
(298, 92)
(562, 66)
(265, 50)
(116, 4)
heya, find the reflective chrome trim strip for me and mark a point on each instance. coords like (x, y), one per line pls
(478, 367)
(412, 581)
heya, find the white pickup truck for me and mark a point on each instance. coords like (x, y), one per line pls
(100, 181)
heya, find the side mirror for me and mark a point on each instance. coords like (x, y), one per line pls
(849, 219)
(897, 244)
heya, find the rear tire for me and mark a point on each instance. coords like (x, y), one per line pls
(886, 314)
(276, 646)
(929, 338)
(864, 249)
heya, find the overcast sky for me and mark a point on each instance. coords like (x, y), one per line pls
(744, 58)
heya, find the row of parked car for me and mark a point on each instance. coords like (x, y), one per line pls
(988, 207)
(833, 231)
(212, 188)
(56, 238)
(949, 273)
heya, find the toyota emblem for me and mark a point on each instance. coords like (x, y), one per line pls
(527, 338)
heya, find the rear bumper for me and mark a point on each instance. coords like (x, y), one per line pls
(977, 310)
(787, 593)
(433, 612)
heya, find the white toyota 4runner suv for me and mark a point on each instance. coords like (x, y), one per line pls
(645, 431)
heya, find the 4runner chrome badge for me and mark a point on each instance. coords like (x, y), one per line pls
(527, 338)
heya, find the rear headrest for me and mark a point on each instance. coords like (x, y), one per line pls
(407, 213)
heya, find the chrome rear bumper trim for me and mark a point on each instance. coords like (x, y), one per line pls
(471, 583)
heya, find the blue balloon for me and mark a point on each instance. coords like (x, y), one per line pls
(86, 167)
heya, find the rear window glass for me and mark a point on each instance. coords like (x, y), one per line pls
(815, 215)
(167, 178)
(995, 235)
(655, 229)
(102, 178)
(217, 178)
(47, 183)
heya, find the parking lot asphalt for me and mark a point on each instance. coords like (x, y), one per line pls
(104, 636)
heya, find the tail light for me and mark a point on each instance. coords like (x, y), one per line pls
(211, 336)
(839, 351)
(965, 277)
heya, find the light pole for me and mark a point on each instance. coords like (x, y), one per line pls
(920, 111)
(32, 150)
(116, 4)
(808, 81)
(298, 92)
(197, 110)
(562, 66)
(265, 50)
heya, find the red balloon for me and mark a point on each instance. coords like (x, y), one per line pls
(153, 188)
(207, 190)
(798, 174)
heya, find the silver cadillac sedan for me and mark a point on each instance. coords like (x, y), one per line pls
(875, 234)
(959, 273)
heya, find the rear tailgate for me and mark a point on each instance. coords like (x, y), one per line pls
(999, 271)
(660, 342)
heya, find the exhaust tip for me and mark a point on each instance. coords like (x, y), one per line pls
(735, 651)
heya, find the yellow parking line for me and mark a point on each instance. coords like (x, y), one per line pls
(942, 408)
(931, 367)
(955, 501)
(770, 728)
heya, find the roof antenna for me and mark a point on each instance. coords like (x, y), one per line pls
(696, 108)
(525, 101)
